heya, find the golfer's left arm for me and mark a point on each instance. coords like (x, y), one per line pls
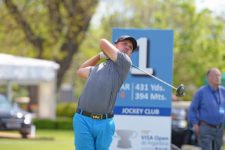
(84, 70)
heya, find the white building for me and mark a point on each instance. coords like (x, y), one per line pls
(30, 71)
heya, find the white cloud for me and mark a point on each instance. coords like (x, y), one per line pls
(106, 7)
(216, 6)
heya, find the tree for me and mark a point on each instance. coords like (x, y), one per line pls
(46, 29)
(199, 39)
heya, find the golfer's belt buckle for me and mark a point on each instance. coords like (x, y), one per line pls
(96, 116)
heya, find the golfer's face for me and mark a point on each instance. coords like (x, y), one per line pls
(125, 46)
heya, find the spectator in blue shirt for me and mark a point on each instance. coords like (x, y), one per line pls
(206, 112)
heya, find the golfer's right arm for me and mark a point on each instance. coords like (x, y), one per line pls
(84, 70)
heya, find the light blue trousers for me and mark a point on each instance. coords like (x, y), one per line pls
(210, 138)
(92, 134)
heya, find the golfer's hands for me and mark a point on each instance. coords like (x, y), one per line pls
(102, 55)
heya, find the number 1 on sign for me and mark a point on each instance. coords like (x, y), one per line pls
(142, 59)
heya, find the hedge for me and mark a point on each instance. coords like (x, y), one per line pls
(64, 114)
(66, 109)
(59, 123)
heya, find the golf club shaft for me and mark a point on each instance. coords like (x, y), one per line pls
(155, 77)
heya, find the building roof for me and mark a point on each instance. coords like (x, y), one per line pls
(17, 68)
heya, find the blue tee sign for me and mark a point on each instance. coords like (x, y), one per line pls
(143, 97)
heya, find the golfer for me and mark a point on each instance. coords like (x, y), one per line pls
(93, 124)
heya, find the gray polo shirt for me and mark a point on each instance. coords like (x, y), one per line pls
(103, 84)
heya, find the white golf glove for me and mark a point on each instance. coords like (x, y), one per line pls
(102, 55)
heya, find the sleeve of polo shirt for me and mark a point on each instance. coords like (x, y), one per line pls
(123, 63)
(91, 69)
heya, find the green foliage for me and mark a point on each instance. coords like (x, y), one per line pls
(59, 123)
(52, 30)
(64, 123)
(44, 124)
(199, 39)
(66, 109)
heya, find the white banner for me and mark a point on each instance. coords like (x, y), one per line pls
(141, 133)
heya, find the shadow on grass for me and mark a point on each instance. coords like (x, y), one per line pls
(6, 135)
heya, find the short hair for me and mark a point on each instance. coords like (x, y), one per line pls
(209, 71)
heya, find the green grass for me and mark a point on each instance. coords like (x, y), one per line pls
(45, 140)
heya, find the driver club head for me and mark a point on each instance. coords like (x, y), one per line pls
(180, 91)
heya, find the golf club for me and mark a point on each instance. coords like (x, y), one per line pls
(180, 90)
